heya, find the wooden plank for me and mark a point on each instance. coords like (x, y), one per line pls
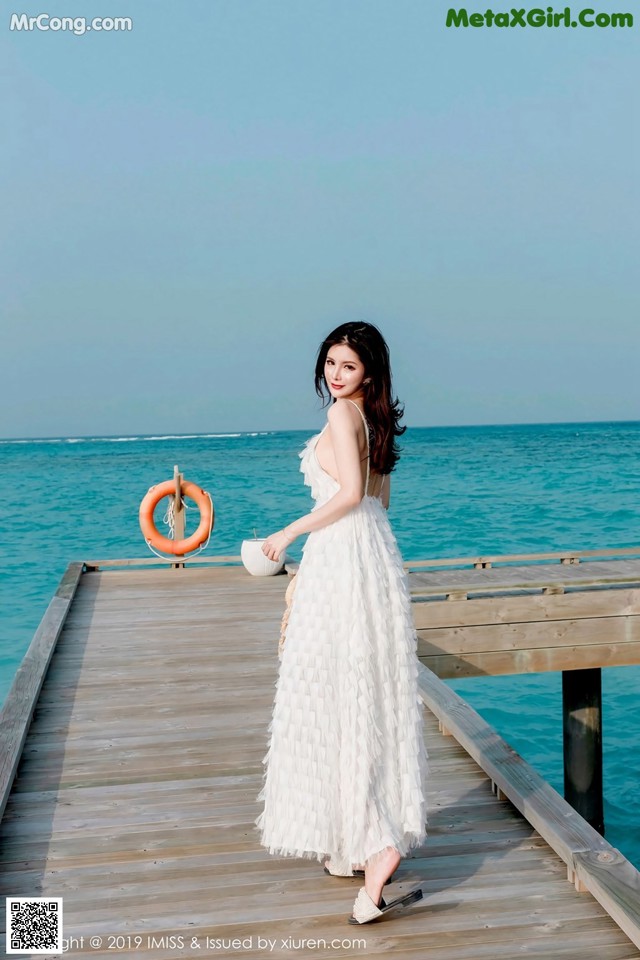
(318, 936)
(460, 589)
(93, 565)
(542, 660)
(415, 566)
(527, 576)
(18, 708)
(577, 605)
(526, 635)
(560, 556)
(491, 863)
(617, 883)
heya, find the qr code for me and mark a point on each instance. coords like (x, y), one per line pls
(34, 925)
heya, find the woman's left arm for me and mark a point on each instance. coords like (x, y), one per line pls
(344, 431)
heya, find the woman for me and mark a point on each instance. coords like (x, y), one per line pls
(346, 765)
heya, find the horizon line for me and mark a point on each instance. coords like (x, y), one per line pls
(221, 434)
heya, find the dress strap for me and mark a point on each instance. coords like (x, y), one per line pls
(366, 430)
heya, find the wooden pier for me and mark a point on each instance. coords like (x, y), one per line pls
(132, 741)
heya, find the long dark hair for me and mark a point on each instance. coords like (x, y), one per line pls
(380, 409)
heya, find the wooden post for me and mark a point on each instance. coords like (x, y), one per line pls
(178, 511)
(582, 743)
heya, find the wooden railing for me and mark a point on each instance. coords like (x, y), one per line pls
(18, 708)
(562, 556)
(592, 863)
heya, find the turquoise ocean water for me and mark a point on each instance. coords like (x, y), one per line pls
(457, 491)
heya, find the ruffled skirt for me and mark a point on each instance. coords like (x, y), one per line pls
(346, 766)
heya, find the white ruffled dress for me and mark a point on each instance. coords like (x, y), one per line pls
(346, 765)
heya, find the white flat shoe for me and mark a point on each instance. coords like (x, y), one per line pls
(365, 910)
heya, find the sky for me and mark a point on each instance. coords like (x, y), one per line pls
(189, 208)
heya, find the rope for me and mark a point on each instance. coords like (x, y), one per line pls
(170, 519)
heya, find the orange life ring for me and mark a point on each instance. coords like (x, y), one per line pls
(148, 527)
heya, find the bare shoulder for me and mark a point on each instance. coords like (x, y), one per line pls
(342, 412)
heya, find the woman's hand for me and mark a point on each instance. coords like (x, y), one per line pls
(276, 544)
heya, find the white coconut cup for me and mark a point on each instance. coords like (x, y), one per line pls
(255, 561)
